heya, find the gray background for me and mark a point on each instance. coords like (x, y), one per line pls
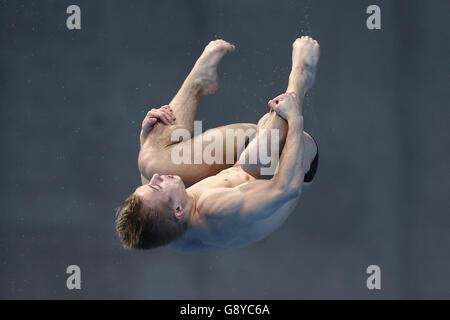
(71, 107)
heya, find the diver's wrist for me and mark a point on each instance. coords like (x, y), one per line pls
(295, 120)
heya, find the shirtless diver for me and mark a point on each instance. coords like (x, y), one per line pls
(198, 208)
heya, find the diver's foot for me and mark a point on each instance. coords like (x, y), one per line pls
(204, 74)
(305, 55)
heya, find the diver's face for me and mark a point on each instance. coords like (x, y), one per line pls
(167, 189)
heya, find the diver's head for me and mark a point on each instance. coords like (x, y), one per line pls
(155, 214)
(311, 159)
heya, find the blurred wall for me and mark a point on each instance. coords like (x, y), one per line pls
(71, 107)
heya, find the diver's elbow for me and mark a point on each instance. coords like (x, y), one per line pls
(295, 192)
(291, 191)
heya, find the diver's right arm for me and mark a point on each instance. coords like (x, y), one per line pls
(260, 199)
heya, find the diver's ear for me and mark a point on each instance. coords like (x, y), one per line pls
(179, 211)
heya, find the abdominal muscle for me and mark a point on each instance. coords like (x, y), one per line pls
(228, 178)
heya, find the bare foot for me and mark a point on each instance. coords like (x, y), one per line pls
(204, 73)
(305, 55)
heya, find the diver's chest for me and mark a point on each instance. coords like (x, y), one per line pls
(231, 178)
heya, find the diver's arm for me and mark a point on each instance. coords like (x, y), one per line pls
(290, 169)
(260, 199)
(245, 203)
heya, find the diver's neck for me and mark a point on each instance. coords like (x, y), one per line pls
(191, 208)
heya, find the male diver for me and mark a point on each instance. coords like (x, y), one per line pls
(224, 205)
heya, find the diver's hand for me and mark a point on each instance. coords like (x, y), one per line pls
(287, 106)
(163, 114)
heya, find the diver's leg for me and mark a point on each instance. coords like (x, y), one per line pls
(202, 80)
(264, 150)
(301, 79)
(303, 71)
(207, 154)
(157, 147)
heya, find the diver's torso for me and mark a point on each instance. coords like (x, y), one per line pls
(228, 178)
(216, 234)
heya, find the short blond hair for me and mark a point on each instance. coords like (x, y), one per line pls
(145, 229)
